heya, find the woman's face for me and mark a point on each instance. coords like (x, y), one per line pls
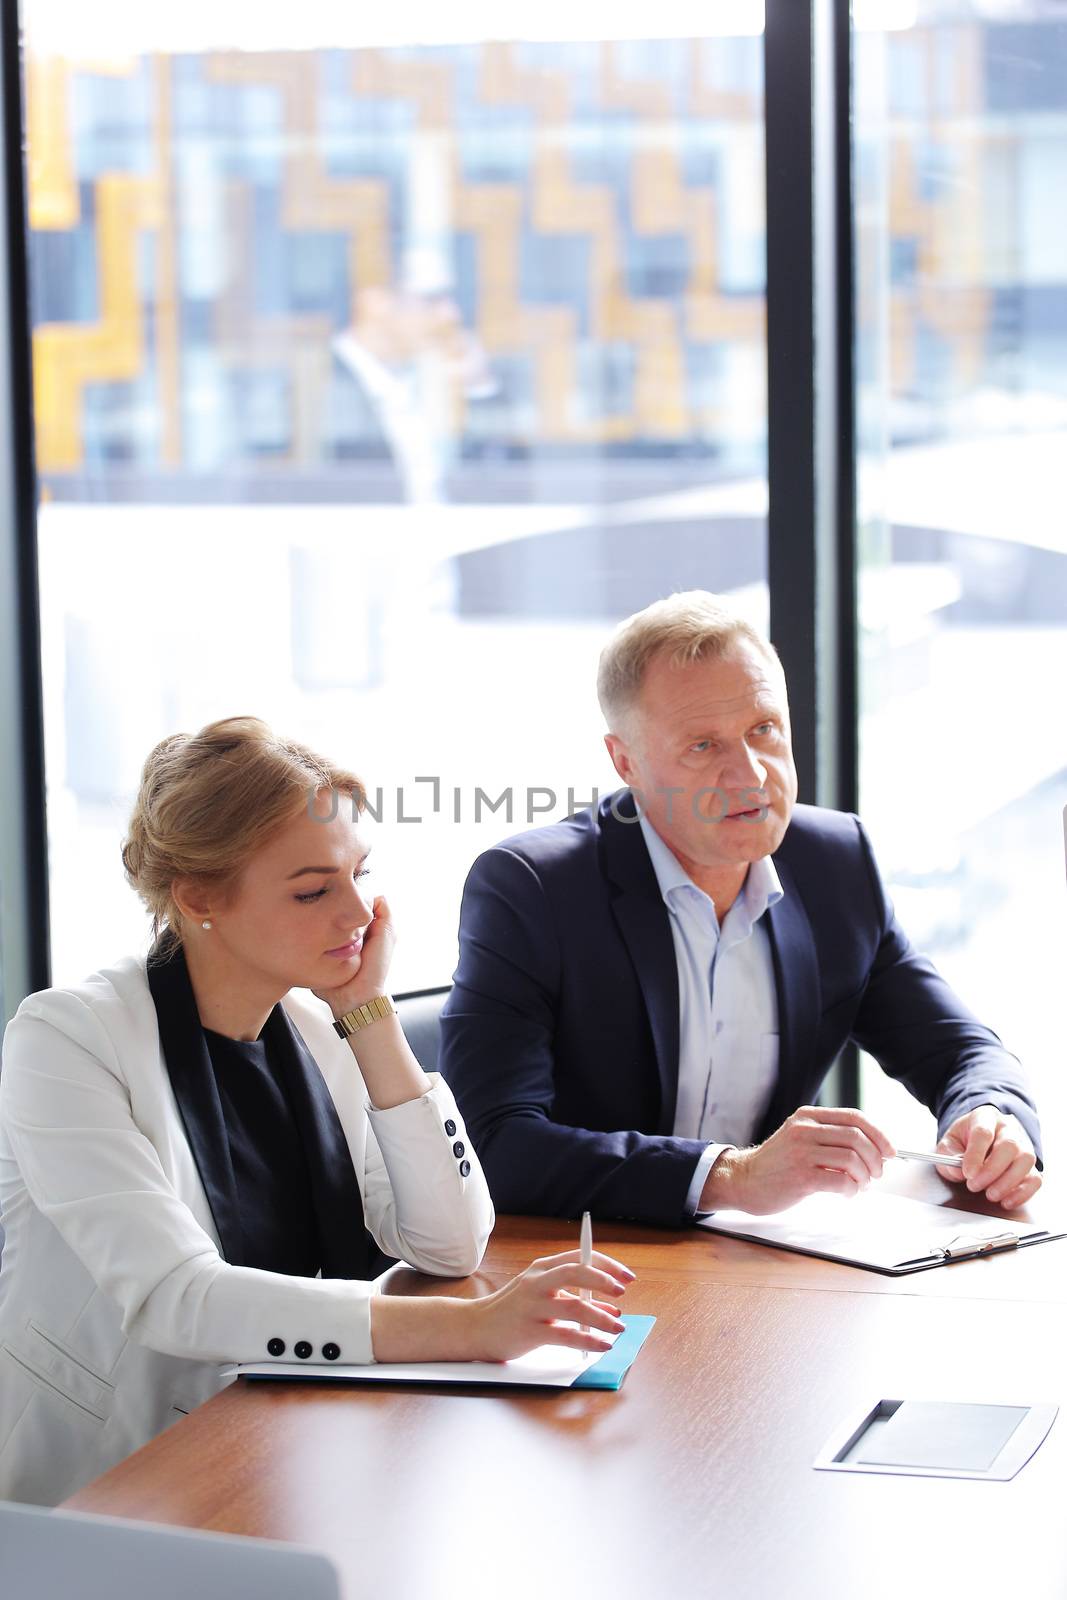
(300, 908)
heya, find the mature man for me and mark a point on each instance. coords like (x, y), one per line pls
(650, 995)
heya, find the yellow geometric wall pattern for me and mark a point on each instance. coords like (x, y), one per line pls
(137, 333)
(67, 356)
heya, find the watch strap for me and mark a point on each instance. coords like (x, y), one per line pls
(362, 1016)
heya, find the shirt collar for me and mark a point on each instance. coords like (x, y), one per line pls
(762, 887)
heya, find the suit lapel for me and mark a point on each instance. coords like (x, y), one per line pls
(796, 972)
(644, 924)
(188, 1064)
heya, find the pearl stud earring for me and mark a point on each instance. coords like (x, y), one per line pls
(206, 924)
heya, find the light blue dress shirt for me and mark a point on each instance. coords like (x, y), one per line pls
(728, 1006)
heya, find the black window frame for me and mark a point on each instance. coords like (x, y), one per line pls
(811, 443)
(25, 963)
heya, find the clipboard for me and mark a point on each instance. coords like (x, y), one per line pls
(548, 1367)
(884, 1233)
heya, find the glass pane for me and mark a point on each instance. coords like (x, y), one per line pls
(374, 382)
(961, 133)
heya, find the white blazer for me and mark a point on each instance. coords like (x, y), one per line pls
(117, 1310)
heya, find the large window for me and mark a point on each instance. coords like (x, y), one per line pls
(961, 131)
(377, 375)
(374, 382)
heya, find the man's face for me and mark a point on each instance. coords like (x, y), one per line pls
(707, 750)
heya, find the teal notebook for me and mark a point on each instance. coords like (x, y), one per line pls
(612, 1367)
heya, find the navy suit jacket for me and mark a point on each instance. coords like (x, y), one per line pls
(560, 1036)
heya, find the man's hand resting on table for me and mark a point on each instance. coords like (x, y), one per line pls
(817, 1149)
(998, 1158)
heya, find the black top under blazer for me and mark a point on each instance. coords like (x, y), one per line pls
(342, 1245)
(560, 1038)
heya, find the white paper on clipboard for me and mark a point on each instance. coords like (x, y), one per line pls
(883, 1232)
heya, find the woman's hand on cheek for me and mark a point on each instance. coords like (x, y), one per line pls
(379, 941)
(371, 976)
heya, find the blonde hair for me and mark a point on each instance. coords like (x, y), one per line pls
(207, 803)
(687, 627)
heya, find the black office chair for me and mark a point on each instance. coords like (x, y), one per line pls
(420, 1018)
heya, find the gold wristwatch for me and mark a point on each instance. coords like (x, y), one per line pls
(362, 1017)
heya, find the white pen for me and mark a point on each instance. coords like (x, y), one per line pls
(932, 1157)
(586, 1246)
(587, 1251)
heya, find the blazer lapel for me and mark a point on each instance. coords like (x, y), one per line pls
(796, 971)
(347, 1251)
(644, 924)
(188, 1064)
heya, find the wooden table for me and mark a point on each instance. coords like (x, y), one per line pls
(695, 1479)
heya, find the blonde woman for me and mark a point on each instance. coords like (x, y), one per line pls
(198, 1165)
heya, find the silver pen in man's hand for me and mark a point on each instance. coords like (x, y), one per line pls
(932, 1156)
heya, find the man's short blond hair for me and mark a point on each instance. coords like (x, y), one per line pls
(687, 627)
